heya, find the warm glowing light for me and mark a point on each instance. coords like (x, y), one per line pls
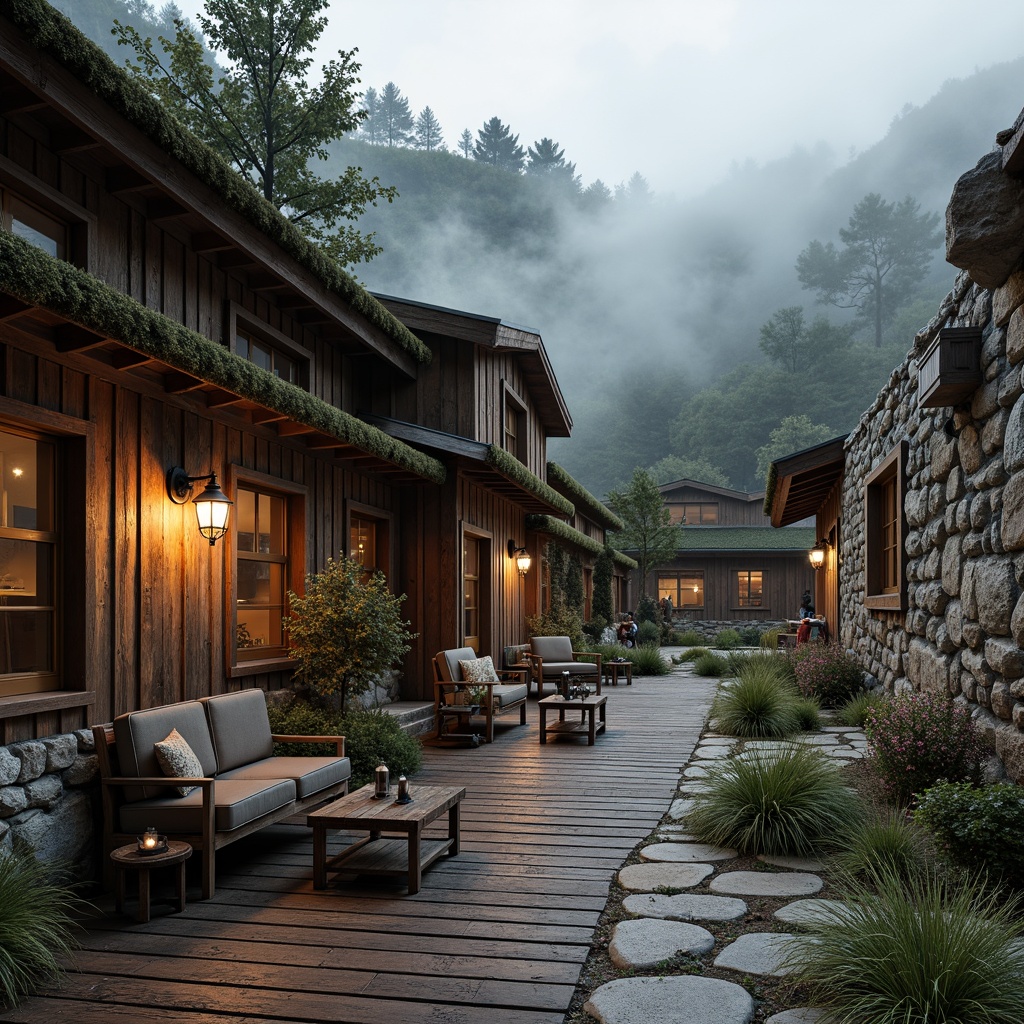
(16, 471)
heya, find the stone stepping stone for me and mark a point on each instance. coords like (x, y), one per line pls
(678, 832)
(757, 953)
(695, 771)
(693, 786)
(846, 753)
(686, 853)
(801, 1015)
(815, 739)
(685, 907)
(763, 883)
(792, 863)
(646, 942)
(681, 807)
(837, 728)
(676, 1000)
(647, 877)
(807, 911)
(712, 753)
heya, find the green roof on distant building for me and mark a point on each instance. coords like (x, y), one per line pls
(746, 538)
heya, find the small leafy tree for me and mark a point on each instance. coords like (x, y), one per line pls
(649, 530)
(346, 630)
(602, 603)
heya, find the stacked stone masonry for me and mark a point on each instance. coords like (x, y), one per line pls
(47, 800)
(963, 631)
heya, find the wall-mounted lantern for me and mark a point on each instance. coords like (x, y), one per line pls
(213, 506)
(817, 554)
(522, 557)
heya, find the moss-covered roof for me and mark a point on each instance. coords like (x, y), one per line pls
(556, 528)
(52, 33)
(583, 499)
(770, 483)
(512, 468)
(746, 538)
(39, 280)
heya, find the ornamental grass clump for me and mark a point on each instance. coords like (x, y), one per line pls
(826, 671)
(854, 712)
(647, 660)
(689, 638)
(923, 950)
(36, 927)
(981, 830)
(756, 705)
(883, 841)
(789, 803)
(710, 664)
(691, 655)
(728, 640)
(920, 739)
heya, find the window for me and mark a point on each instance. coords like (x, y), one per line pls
(43, 216)
(34, 225)
(471, 591)
(28, 565)
(268, 534)
(694, 513)
(514, 427)
(369, 539)
(686, 589)
(267, 348)
(750, 586)
(885, 531)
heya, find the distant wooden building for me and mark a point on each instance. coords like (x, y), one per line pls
(731, 566)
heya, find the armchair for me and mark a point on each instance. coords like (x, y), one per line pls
(550, 656)
(502, 697)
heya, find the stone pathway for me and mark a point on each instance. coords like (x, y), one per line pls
(658, 932)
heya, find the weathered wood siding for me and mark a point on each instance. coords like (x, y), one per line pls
(733, 510)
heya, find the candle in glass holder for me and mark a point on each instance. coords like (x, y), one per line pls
(403, 788)
(382, 782)
(150, 840)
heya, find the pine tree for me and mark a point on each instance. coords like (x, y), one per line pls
(428, 131)
(548, 158)
(370, 128)
(395, 117)
(596, 196)
(466, 143)
(636, 190)
(497, 145)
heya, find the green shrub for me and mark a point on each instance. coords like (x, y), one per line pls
(883, 841)
(789, 803)
(689, 638)
(709, 664)
(371, 736)
(728, 640)
(750, 635)
(609, 651)
(826, 671)
(558, 622)
(593, 629)
(756, 705)
(647, 661)
(808, 713)
(978, 829)
(770, 639)
(919, 739)
(647, 610)
(690, 655)
(914, 951)
(648, 633)
(855, 711)
(36, 926)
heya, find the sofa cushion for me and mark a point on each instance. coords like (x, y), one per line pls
(237, 802)
(239, 728)
(574, 668)
(451, 659)
(178, 760)
(478, 670)
(310, 774)
(138, 732)
(506, 695)
(557, 648)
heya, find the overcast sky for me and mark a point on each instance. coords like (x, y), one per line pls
(677, 89)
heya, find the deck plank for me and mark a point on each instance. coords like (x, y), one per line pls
(496, 935)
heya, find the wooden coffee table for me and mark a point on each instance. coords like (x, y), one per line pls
(375, 854)
(128, 858)
(611, 670)
(588, 708)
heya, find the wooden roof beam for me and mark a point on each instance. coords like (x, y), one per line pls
(74, 140)
(262, 281)
(233, 258)
(164, 209)
(289, 428)
(178, 383)
(16, 99)
(260, 416)
(222, 399)
(126, 358)
(72, 338)
(210, 241)
(122, 180)
(10, 306)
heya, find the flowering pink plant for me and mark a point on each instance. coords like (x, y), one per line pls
(827, 672)
(919, 739)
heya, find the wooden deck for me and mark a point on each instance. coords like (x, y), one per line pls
(496, 935)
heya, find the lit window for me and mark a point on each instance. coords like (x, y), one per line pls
(694, 513)
(28, 563)
(267, 357)
(471, 591)
(686, 589)
(368, 541)
(885, 533)
(261, 581)
(750, 584)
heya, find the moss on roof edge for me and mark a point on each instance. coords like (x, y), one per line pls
(50, 31)
(563, 531)
(511, 467)
(771, 482)
(603, 515)
(38, 279)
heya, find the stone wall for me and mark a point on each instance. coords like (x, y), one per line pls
(48, 801)
(710, 628)
(963, 631)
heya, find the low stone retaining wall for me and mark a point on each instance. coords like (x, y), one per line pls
(48, 797)
(710, 628)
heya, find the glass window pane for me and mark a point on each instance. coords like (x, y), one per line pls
(245, 519)
(26, 575)
(26, 483)
(38, 228)
(258, 628)
(26, 641)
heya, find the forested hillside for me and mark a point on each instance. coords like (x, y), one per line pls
(680, 327)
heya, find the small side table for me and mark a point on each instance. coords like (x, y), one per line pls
(128, 858)
(611, 670)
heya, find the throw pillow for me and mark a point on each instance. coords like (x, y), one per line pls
(178, 760)
(480, 670)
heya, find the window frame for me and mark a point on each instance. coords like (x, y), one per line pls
(80, 223)
(358, 510)
(679, 575)
(682, 506)
(885, 486)
(485, 577)
(512, 404)
(238, 318)
(762, 604)
(297, 526)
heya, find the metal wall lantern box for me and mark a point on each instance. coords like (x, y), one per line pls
(949, 371)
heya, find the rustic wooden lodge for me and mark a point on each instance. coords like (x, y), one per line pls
(156, 314)
(731, 566)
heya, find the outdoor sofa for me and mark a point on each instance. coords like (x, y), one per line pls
(241, 788)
